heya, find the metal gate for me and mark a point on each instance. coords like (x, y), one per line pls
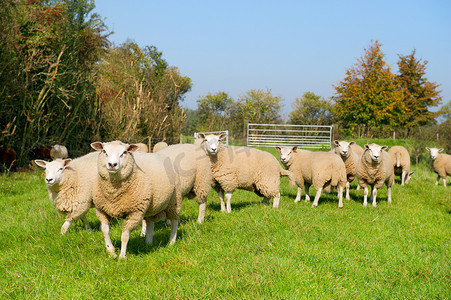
(303, 136)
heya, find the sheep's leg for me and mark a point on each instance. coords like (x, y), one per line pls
(265, 200)
(85, 222)
(173, 234)
(105, 228)
(276, 200)
(340, 196)
(228, 196)
(403, 176)
(347, 190)
(438, 179)
(318, 194)
(444, 181)
(389, 194)
(307, 196)
(125, 236)
(143, 228)
(149, 232)
(373, 196)
(66, 225)
(201, 216)
(365, 195)
(298, 196)
(358, 187)
(221, 198)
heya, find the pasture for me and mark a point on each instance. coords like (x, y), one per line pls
(392, 251)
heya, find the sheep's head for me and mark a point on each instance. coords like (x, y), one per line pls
(116, 154)
(286, 154)
(375, 151)
(434, 152)
(212, 142)
(53, 170)
(343, 147)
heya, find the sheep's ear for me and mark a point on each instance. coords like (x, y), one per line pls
(410, 174)
(336, 143)
(40, 163)
(67, 162)
(294, 148)
(132, 148)
(428, 149)
(201, 135)
(366, 146)
(278, 148)
(440, 150)
(384, 147)
(351, 143)
(222, 136)
(98, 146)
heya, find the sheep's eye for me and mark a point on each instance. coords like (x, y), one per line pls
(60, 169)
(123, 153)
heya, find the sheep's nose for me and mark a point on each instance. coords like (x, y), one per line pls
(112, 165)
(49, 180)
(213, 149)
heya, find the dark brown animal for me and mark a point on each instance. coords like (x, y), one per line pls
(8, 159)
(42, 152)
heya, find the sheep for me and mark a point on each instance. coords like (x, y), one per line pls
(401, 163)
(70, 185)
(134, 185)
(158, 146)
(322, 169)
(350, 159)
(244, 168)
(441, 163)
(357, 149)
(142, 147)
(375, 168)
(193, 168)
(8, 159)
(58, 151)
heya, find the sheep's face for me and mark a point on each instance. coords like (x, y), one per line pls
(343, 147)
(212, 142)
(375, 152)
(286, 154)
(53, 170)
(434, 152)
(116, 154)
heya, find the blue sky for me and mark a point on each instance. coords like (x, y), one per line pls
(290, 47)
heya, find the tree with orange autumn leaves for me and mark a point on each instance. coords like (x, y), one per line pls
(372, 97)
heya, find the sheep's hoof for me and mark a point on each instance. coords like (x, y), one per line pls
(112, 255)
(374, 204)
(313, 205)
(364, 204)
(297, 200)
(122, 256)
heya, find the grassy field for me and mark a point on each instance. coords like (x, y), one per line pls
(392, 251)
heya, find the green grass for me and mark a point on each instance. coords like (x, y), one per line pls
(392, 251)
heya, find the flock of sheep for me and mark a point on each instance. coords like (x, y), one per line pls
(125, 181)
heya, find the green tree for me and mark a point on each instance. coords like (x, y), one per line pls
(258, 106)
(311, 109)
(369, 96)
(213, 110)
(419, 93)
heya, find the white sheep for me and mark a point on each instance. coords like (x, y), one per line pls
(350, 159)
(134, 185)
(401, 163)
(71, 184)
(243, 168)
(357, 149)
(142, 147)
(323, 170)
(441, 164)
(159, 146)
(375, 168)
(58, 151)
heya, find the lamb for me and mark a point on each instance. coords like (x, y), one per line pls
(158, 146)
(322, 169)
(58, 151)
(375, 168)
(244, 168)
(8, 159)
(134, 185)
(70, 184)
(142, 147)
(401, 163)
(441, 163)
(193, 168)
(350, 159)
(357, 149)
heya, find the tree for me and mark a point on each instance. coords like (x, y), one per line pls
(258, 106)
(213, 110)
(419, 93)
(311, 109)
(369, 96)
